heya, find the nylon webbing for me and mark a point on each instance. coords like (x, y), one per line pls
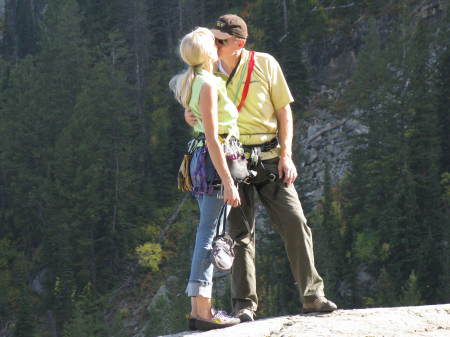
(251, 64)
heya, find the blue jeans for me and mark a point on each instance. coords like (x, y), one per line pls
(200, 280)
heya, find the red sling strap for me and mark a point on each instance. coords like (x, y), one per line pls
(251, 63)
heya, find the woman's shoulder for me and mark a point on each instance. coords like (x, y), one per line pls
(201, 81)
(211, 79)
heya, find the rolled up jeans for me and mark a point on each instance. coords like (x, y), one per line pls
(200, 279)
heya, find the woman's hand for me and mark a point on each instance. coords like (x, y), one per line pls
(231, 195)
(189, 117)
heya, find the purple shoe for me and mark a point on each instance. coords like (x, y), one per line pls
(219, 320)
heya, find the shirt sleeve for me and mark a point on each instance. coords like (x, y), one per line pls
(279, 89)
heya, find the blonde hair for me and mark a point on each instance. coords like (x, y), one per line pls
(196, 49)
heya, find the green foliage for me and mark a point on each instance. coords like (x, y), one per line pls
(386, 293)
(330, 233)
(168, 311)
(149, 255)
(160, 317)
(391, 201)
(86, 318)
(411, 293)
(366, 245)
(25, 319)
(445, 182)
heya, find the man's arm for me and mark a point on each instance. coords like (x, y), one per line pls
(286, 168)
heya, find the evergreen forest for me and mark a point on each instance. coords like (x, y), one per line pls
(95, 238)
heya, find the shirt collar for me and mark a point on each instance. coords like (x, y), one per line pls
(243, 59)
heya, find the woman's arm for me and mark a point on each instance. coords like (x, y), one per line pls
(208, 110)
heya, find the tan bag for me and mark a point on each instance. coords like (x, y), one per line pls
(184, 177)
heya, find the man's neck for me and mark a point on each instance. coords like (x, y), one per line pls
(229, 63)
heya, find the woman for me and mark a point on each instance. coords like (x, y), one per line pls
(199, 90)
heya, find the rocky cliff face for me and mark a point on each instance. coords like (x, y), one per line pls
(324, 136)
(325, 139)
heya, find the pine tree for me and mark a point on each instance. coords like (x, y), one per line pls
(395, 169)
(19, 148)
(411, 294)
(62, 65)
(442, 107)
(94, 176)
(329, 239)
(86, 319)
(386, 293)
(25, 317)
(291, 50)
(424, 152)
(375, 159)
(26, 28)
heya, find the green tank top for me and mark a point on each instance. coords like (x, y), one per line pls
(227, 111)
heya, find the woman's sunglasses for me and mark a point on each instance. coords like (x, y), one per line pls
(222, 42)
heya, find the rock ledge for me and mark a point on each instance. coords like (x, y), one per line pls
(430, 321)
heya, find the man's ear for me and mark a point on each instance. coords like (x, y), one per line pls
(241, 43)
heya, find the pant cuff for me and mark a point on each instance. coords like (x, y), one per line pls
(239, 304)
(313, 294)
(199, 289)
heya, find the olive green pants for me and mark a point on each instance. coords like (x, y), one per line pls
(286, 213)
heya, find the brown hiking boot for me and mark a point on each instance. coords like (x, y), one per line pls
(318, 304)
(246, 315)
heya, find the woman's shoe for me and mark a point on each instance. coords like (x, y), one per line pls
(191, 323)
(219, 320)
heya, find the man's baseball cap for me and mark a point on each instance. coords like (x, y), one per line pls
(229, 25)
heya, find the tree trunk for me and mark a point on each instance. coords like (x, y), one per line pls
(180, 16)
(93, 259)
(202, 12)
(285, 17)
(116, 190)
(52, 323)
(10, 36)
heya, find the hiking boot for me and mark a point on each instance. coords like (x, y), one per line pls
(318, 304)
(246, 315)
(219, 320)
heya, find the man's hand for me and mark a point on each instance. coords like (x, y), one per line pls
(189, 117)
(287, 170)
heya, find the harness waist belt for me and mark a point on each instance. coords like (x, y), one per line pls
(271, 144)
(202, 136)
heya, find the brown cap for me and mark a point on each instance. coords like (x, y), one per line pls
(230, 25)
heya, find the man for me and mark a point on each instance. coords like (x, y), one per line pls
(266, 131)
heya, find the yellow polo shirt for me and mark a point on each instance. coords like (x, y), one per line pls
(268, 91)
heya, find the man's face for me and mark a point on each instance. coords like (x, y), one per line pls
(226, 48)
(214, 52)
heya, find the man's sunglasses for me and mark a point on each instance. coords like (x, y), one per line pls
(222, 42)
